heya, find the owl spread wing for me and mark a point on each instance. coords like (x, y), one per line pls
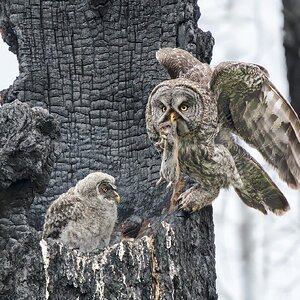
(63, 210)
(251, 106)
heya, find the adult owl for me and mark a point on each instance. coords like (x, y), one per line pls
(84, 217)
(194, 118)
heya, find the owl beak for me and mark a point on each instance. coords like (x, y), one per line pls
(117, 197)
(173, 117)
(115, 194)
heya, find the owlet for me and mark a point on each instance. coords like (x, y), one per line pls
(84, 217)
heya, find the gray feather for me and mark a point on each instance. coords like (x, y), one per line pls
(84, 217)
(231, 97)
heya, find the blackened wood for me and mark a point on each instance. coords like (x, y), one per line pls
(92, 65)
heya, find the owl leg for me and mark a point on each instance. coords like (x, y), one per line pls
(196, 198)
(177, 190)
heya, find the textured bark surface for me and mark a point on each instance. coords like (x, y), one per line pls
(28, 149)
(292, 48)
(92, 64)
(162, 266)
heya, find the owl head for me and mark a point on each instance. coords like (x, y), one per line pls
(98, 185)
(181, 103)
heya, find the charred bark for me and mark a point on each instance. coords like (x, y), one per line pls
(160, 266)
(92, 65)
(291, 11)
(28, 149)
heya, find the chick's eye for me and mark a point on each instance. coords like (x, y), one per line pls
(163, 108)
(183, 107)
(103, 188)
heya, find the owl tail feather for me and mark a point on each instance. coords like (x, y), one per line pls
(259, 191)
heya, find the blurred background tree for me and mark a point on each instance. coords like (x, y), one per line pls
(258, 257)
(291, 12)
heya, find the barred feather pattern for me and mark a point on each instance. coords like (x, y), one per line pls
(246, 103)
(261, 116)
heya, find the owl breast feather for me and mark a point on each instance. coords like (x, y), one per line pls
(208, 165)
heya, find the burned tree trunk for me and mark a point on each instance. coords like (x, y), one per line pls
(29, 148)
(92, 64)
(173, 263)
(291, 10)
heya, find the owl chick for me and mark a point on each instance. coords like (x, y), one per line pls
(203, 107)
(84, 217)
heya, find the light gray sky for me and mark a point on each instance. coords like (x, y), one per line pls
(9, 68)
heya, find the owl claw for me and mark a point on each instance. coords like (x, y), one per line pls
(178, 207)
(188, 205)
(184, 206)
(192, 200)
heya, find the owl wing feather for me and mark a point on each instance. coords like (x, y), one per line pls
(257, 182)
(251, 106)
(64, 209)
(176, 61)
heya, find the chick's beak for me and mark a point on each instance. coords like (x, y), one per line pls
(117, 197)
(173, 117)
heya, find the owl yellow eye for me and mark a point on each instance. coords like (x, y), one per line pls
(183, 107)
(163, 108)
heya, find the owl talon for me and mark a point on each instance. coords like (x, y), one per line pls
(178, 207)
(188, 205)
(195, 199)
(184, 205)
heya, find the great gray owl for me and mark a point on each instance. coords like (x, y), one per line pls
(84, 217)
(192, 120)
